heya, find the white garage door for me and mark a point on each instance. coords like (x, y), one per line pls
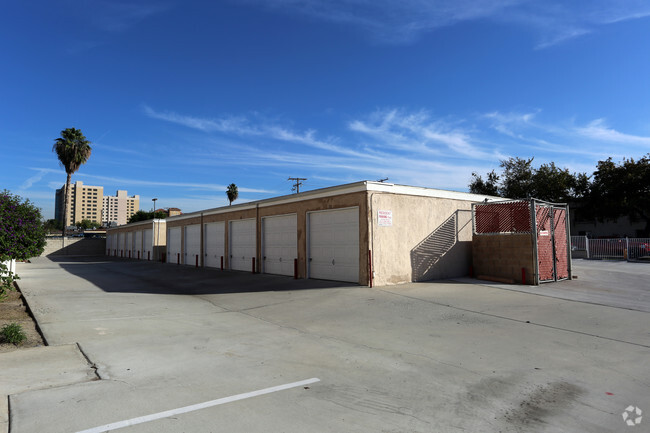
(129, 245)
(192, 244)
(147, 247)
(214, 243)
(173, 244)
(139, 252)
(109, 244)
(333, 250)
(120, 245)
(242, 244)
(279, 244)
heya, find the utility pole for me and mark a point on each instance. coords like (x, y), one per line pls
(296, 186)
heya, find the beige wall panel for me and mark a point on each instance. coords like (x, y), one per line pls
(429, 238)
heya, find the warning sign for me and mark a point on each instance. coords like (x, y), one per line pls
(385, 218)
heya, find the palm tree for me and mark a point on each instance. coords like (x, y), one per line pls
(73, 150)
(232, 193)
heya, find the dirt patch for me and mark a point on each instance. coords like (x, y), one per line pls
(14, 310)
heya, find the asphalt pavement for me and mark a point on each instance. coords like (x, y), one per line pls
(150, 347)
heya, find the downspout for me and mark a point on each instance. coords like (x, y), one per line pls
(371, 240)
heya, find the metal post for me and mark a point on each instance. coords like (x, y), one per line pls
(370, 268)
(253, 270)
(627, 248)
(222, 263)
(533, 227)
(295, 269)
(587, 245)
(197, 261)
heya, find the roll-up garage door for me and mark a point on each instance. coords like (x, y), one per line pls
(214, 243)
(147, 245)
(192, 248)
(242, 244)
(333, 250)
(109, 245)
(173, 244)
(120, 245)
(138, 245)
(129, 245)
(279, 244)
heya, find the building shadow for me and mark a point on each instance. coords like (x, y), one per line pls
(444, 253)
(115, 275)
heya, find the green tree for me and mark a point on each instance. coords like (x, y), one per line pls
(142, 215)
(622, 189)
(73, 150)
(52, 225)
(232, 192)
(520, 179)
(22, 235)
(86, 224)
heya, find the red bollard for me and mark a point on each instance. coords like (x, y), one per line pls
(253, 265)
(295, 269)
(197, 261)
(178, 258)
(222, 263)
(148, 255)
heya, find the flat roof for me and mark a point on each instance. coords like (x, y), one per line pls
(348, 188)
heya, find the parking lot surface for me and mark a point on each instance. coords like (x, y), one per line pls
(422, 357)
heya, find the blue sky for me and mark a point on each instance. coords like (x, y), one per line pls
(181, 99)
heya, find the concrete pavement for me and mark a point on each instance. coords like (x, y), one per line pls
(445, 356)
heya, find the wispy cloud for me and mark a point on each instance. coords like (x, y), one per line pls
(404, 21)
(598, 130)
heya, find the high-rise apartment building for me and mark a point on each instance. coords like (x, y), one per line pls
(118, 209)
(85, 203)
(89, 202)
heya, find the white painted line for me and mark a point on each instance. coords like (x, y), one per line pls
(172, 412)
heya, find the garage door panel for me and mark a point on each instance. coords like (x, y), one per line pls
(243, 244)
(173, 244)
(280, 244)
(214, 243)
(148, 243)
(192, 248)
(138, 245)
(334, 245)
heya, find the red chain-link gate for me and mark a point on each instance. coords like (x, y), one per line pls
(546, 222)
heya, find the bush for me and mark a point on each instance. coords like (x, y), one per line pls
(7, 279)
(22, 235)
(12, 334)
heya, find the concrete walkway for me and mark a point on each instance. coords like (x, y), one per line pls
(444, 356)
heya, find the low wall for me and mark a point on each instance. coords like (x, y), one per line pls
(502, 256)
(75, 247)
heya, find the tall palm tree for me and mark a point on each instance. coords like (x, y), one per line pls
(232, 193)
(73, 150)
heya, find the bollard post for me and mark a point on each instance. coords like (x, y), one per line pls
(178, 258)
(370, 268)
(253, 265)
(523, 275)
(222, 263)
(295, 269)
(197, 261)
(148, 255)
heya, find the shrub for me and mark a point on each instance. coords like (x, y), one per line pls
(22, 235)
(13, 334)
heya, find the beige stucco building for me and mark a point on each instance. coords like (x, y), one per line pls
(89, 202)
(364, 232)
(85, 203)
(119, 208)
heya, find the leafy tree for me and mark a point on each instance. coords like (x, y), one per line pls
(73, 150)
(52, 225)
(232, 192)
(142, 215)
(519, 179)
(86, 224)
(485, 187)
(21, 234)
(622, 189)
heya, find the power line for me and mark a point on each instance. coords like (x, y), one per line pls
(296, 186)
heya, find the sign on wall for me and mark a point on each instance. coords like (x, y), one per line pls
(385, 218)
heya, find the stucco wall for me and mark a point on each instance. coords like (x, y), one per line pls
(430, 238)
(74, 247)
(503, 255)
(300, 208)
